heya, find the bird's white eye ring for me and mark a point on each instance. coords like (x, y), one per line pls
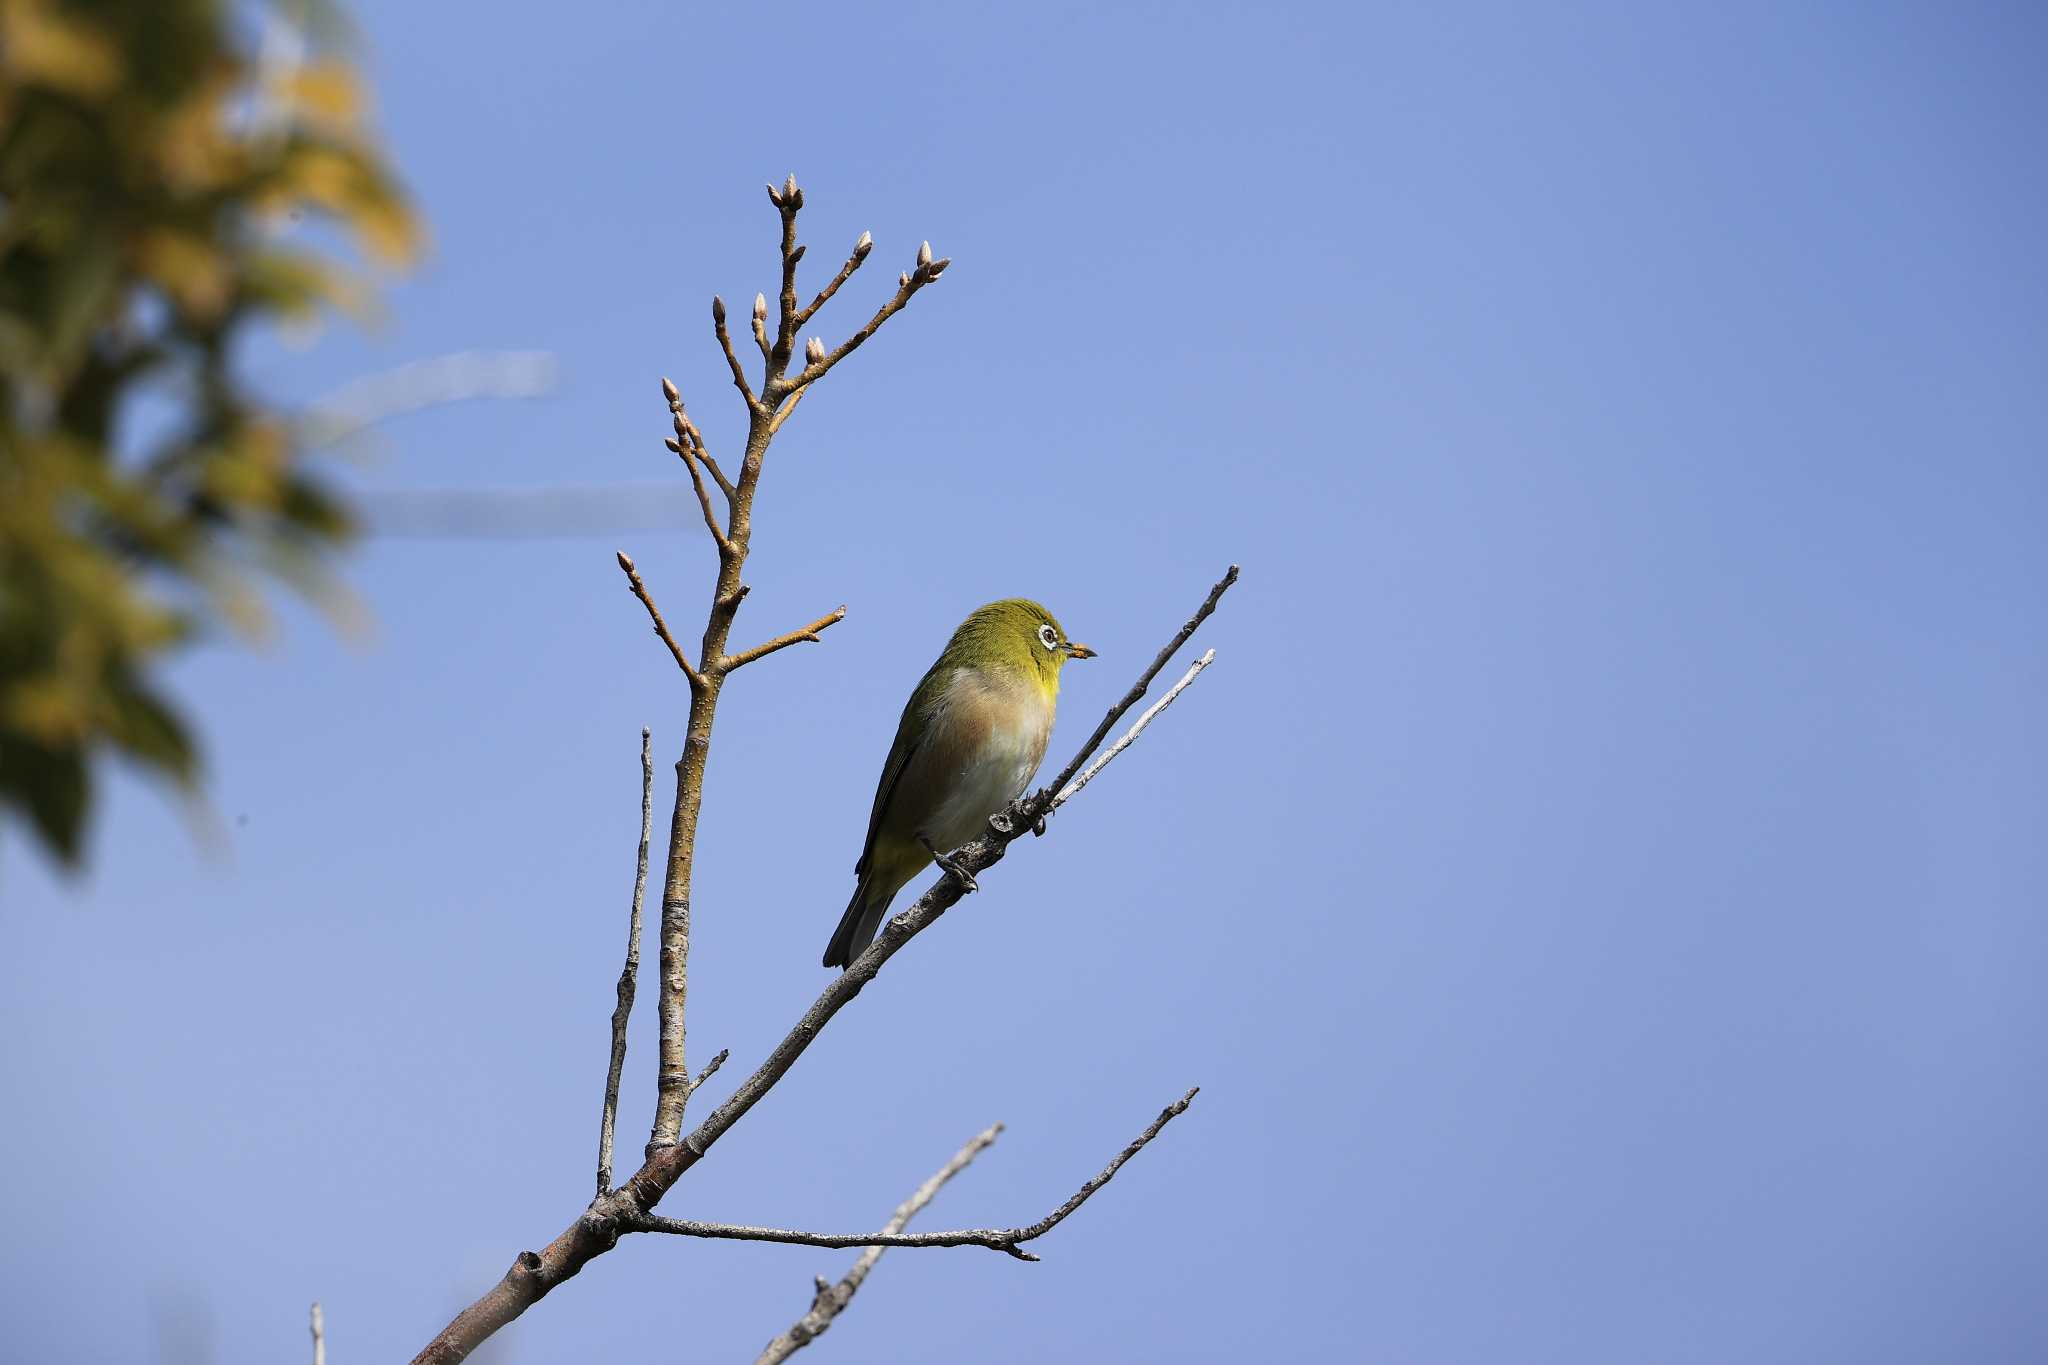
(1048, 637)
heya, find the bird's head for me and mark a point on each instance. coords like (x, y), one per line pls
(1017, 633)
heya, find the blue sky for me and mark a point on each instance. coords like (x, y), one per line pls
(1598, 888)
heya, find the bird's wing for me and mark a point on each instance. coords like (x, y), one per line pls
(915, 724)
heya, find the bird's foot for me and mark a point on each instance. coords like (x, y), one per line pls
(953, 868)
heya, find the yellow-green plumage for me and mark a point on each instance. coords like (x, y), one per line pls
(969, 741)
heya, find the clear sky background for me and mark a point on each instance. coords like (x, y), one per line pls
(1599, 888)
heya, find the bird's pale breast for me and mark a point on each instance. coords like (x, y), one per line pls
(985, 741)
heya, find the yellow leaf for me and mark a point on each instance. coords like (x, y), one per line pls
(387, 230)
(41, 47)
(325, 90)
(190, 270)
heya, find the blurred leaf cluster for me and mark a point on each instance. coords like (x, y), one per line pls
(156, 168)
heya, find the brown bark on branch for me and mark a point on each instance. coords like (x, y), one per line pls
(831, 1300)
(797, 636)
(630, 974)
(534, 1274)
(675, 650)
(1010, 1240)
(669, 1152)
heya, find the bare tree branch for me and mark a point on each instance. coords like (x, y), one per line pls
(534, 1274)
(630, 974)
(1009, 1240)
(319, 1326)
(859, 254)
(665, 1167)
(765, 417)
(710, 1069)
(831, 1300)
(907, 286)
(688, 443)
(761, 330)
(670, 1153)
(660, 626)
(739, 374)
(687, 433)
(1073, 789)
(789, 406)
(1043, 800)
(798, 636)
(787, 204)
(683, 448)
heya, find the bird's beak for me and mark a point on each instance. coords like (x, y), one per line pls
(1079, 651)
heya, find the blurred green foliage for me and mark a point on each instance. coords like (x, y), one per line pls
(153, 169)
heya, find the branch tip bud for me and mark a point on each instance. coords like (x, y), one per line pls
(862, 247)
(924, 253)
(668, 390)
(814, 351)
(760, 307)
(718, 310)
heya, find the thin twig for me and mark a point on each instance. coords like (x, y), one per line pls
(665, 1166)
(798, 636)
(1007, 1240)
(534, 1274)
(718, 536)
(717, 474)
(710, 1069)
(670, 1152)
(788, 406)
(319, 1326)
(788, 203)
(690, 435)
(630, 975)
(831, 1300)
(696, 436)
(660, 626)
(732, 360)
(1042, 800)
(906, 289)
(853, 263)
(1123, 742)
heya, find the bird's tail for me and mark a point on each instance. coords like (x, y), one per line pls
(858, 925)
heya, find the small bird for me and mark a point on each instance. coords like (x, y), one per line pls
(969, 741)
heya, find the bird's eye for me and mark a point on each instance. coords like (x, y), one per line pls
(1048, 638)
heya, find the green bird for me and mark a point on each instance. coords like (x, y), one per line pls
(967, 745)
